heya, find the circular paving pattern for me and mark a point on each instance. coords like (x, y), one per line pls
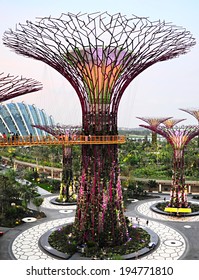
(144, 209)
(47, 204)
(25, 246)
(166, 234)
(171, 246)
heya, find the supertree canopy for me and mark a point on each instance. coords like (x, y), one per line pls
(154, 122)
(172, 122)
(99, 54)
(195, 113)
(178, 137)
(67, 188)
(11, 86)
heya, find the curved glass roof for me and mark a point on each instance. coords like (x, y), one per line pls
(19, 118)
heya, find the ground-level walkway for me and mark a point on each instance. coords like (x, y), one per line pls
(22, 242)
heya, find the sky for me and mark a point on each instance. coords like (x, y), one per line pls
(158, 91)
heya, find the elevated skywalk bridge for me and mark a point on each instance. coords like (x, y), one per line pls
(62, 140)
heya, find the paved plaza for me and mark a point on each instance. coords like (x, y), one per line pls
(22, 243)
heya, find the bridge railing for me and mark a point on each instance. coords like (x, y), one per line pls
(61, 140)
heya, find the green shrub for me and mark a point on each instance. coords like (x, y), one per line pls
(14, 212)
(37, 201)
(115, 257)
(63, 240)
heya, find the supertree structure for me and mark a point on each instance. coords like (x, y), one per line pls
(67, 187)
(195, 113)
(178, 137)
(172, 122)
(11, 86)
(99, 54)
(154, 122)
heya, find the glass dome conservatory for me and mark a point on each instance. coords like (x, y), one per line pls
(19, 118)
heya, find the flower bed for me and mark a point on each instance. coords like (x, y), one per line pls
(160, 208)
(64, 241)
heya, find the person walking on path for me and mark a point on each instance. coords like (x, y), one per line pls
(8, 137)
(4, 137)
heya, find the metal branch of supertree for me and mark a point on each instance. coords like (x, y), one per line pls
(154, 121)
(58, 129)
(194, 112)
(178, 136)
(11, 86)
(172, 122)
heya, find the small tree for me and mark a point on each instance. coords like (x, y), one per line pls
(152, 185)
(37, 201)
(31, 175)
(27, 192)
(9, 192)
(135, 188)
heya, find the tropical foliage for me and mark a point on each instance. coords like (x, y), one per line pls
(65, 241)
(138, 159)
(14, 198)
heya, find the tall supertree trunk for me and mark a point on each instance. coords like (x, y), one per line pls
(154, 140)
(63, 132)
(100, 212)
(67, 174)
(178, 197)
